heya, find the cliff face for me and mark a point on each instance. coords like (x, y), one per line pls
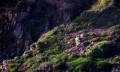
(12, 41)
(22, 25)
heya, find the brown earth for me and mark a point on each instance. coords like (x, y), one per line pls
(79, 50)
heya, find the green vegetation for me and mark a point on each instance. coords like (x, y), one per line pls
(80, 64)
(116, 59)
(13, 70)
(103, 65)
(48, 54)
(104, 49)
(114, 32)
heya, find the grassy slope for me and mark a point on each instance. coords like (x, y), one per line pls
(49, 55)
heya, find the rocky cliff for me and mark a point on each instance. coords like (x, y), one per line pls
(23, 22)
(50, 26)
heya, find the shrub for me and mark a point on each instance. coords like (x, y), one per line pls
(13, 70)
(60, 57)
(69, 28)
(48, 34)
(96, 53)
(109, 48)
(104, 49)
(51, 51)
(28, 54)
(18, 60)
(103, 65)
(79, 64)
(103, 1)
(116, 59)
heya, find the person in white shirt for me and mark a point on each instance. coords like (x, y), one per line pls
(77, 40)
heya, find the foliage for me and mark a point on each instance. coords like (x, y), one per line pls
(116, 59)
(51, 51)
(79, 64)
(49, 56)
(96, 53)
(104, 49)
(18, 60)
(103, 65)
(46, 35)
(13, 70)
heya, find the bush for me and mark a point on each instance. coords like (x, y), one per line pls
(116, 59)
(28, 54)
(79, 64)
(96, 53)
(104, 49)
(18, 60)
(103, 65)
(69, 28)
(13, 70)
(60, 57)
(51, 51)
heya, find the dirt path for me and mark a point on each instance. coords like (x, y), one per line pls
(81, 49)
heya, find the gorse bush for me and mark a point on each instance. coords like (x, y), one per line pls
(13, 70)
(96, 53)
(69, 28)
(103, 65)
(79, 64)
(116, 59)
(104, 1)
(50, 51)
(104, 49)
(18, 60)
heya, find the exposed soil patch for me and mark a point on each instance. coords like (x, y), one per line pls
(79, 50)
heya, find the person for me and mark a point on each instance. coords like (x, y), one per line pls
(77, 40)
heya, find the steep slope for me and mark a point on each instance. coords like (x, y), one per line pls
(47, 54)
(22, 22)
